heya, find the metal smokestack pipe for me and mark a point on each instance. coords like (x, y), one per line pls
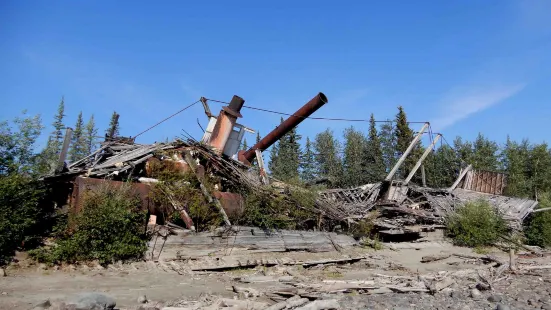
(312, 106)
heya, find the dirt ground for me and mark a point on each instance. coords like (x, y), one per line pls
(27, 285)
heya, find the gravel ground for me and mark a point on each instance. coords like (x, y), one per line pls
(519, 292)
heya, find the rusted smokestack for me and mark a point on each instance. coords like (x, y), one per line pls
(225, 122)
(290, 123)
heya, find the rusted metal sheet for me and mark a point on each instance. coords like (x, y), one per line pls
(233, 204)
(310, 107)
(485, 182)
(225, 122)
(83, 185)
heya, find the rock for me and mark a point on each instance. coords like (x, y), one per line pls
(44, 304)
(142, 299)
(476, 294)
(57, 306)
(92, 301)
(546, 306)
(495, 298)
(502, 307)
(4, 293)
(3, 272)
(482, 286)
(42, 267)
(321, 304)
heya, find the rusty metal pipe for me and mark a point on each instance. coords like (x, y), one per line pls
(224, 124)
(312, 106)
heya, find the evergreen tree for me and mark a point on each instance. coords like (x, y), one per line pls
(388, 145)
(539, 170)
(113, 130)
(91, 133)
(48, 156)
(442, 167)
(514, 161)
(328, 162)
(59, 126)
(244, 146)
(289, 156)
(485, 154)
(373, 163)
(274, 160)
(78, 141)
(354, 158)
(404, 137)
(17, 146)
(254, 162)
(464, 150)
(307, 164)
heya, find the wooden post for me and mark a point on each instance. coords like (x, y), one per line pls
(420, 161)
(512, 260)
(461, 176)
(260, 161)
(64, 149)
(406, 153)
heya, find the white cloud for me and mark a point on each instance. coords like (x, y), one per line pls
(459, 106)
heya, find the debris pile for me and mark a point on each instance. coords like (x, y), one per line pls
(404, 209)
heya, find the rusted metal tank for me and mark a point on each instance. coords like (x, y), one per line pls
(310, 107)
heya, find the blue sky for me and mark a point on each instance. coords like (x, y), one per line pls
(466, 66)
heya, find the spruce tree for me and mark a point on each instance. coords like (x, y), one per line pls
(485, 154)
(91, 133)
(539, 170)
(514, 162)
(328, 162)
(78, 141)
(113, 130)
(388, 144)
(274, 160)
(307, 163)
(374, 165)
(59, 126)
(464, 150)
(354, 158)
(254, 161)
(48, 157)
(244, 145)
(442, 167)
(289, 156)
(404, 137)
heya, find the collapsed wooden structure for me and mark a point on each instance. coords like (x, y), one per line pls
(403, 208)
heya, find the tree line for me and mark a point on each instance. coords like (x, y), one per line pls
(363, 158)
(18, 139)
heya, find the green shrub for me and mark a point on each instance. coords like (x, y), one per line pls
(538, 227)
(23, 216)
(294, 209)
(110, 227)
(476, 224)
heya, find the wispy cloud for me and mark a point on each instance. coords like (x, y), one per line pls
(464, 103)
